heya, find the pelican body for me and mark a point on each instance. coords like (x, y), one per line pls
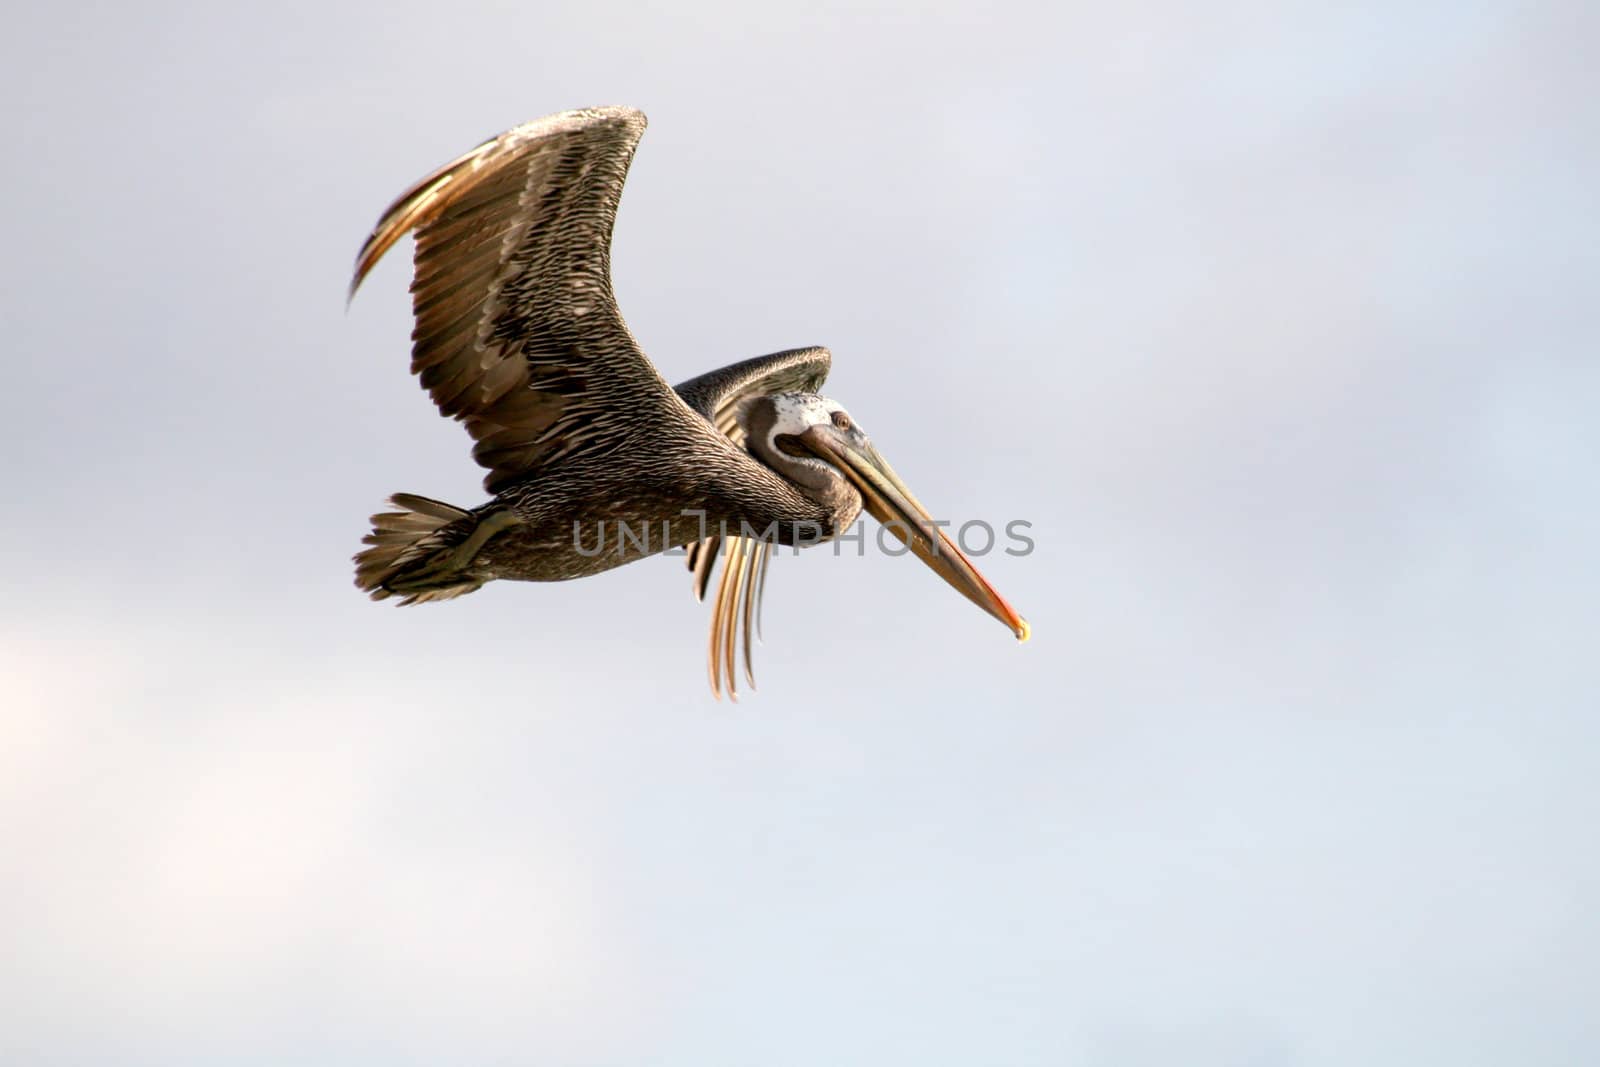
(593, 459)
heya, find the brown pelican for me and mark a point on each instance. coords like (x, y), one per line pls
(593, 459)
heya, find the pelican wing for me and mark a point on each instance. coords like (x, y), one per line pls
(517, 332)
(717, 395)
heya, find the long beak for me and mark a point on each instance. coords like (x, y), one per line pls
(891, 503)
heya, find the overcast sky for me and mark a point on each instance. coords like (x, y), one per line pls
(1279, 326)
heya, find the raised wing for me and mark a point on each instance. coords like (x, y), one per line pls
(717, 395)
(517, 332)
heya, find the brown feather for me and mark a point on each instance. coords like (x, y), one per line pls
(512, 290)
(719, 396)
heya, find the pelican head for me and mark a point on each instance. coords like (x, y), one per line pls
(815, 444)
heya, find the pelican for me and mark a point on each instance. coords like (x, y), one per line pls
(593, 459)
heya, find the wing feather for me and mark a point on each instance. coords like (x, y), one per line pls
(518, 334)
(717, 396)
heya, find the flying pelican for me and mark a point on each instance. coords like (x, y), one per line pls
(519, 337)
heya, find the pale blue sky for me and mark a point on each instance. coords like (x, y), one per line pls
(1279, 324)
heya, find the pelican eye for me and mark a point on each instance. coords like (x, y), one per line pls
(790, 445)
(841, 420)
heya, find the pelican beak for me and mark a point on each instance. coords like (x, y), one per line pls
(891, 503)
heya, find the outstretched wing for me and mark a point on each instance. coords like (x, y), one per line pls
(517, 331)
(717, 396)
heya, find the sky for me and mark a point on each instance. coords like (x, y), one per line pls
(1276, 322)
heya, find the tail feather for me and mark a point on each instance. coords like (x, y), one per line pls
(422, 505)
(413, 550)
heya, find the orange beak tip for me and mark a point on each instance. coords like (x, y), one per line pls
(1024, 631)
